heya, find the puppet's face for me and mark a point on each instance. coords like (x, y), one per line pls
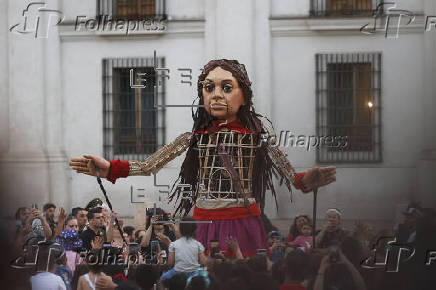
(224, 95)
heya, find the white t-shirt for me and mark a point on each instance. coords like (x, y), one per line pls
(47, 281)
(186, 254)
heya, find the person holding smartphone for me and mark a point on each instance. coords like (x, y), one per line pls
(40, 227)
(332, 233)
(337, 272)
(157, 233)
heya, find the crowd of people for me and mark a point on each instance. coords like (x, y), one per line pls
(90, 248)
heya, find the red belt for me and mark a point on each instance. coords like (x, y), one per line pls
(229, 213)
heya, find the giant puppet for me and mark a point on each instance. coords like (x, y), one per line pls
(229, 162)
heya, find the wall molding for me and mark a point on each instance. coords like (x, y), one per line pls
(282, 27)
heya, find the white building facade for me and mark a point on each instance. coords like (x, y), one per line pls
(304, 58)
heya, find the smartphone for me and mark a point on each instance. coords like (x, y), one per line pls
(154, 245)
(214, 247)
(133, 248)
(107, 245)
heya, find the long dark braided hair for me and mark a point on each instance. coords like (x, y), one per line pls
(263, 166)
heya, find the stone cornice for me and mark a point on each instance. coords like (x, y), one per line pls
(310, 26)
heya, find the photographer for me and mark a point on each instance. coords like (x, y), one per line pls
(157, 233)
(40, 227)
(337, 272)
(332, 233)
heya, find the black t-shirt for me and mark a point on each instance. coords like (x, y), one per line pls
(88, 235)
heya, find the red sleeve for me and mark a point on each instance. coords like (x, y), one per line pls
(118, 169)
(298, 184)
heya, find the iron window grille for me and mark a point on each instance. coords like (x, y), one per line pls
(133, 124)
(348, 104)
(131, 9)
(342, 8)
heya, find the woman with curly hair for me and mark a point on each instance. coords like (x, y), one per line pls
(295, 229)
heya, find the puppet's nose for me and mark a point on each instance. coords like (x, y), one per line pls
(217, 97)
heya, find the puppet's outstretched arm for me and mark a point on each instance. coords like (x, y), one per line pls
(305, 181)
(283, 166)
(113, 169)
(153, 163)
(158, 159)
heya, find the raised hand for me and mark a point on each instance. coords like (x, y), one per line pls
(328, 226)
(117, 243)
(97, 243)
(36, 214)
(232, 244)
(88, 164)
(61, 215)
(164, 239)
(319, 176)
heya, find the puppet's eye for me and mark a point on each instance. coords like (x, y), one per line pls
(227, 88)
(209, 88)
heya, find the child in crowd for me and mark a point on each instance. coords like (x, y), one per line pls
(186, 253)
(70, 240)
(304, 242)
(63, 271)
(88, 280)
(276, 247)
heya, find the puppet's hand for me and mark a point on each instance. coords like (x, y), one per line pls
(319, 176)
(88, 165)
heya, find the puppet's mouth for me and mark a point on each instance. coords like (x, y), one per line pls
(218, 106)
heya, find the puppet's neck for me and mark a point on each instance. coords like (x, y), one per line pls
(234, 125)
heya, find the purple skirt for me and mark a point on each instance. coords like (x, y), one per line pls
(249, 233)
